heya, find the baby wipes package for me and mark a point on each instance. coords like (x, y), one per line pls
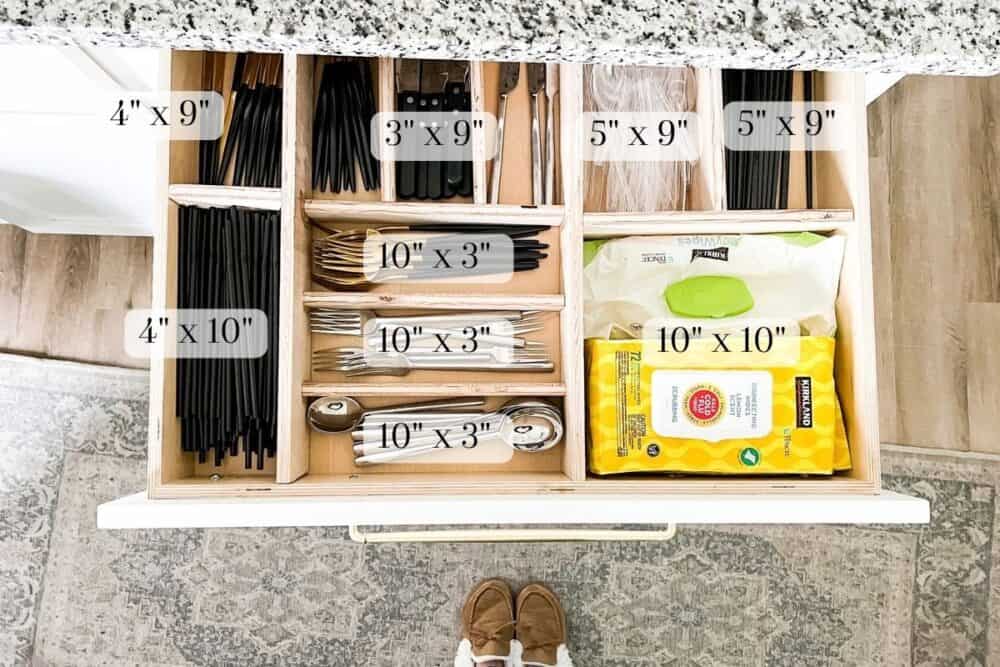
(628, 282)
(751, 420)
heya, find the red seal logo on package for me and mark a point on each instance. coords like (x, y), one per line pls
(704, 404)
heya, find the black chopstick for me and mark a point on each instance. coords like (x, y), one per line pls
(786, 95)
(807, 85)
(228, 258)
(252, 142)
(345, 105)
(757, 175)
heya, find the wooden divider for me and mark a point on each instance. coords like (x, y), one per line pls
(293, 361)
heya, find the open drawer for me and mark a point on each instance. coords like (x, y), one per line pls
(311, 481)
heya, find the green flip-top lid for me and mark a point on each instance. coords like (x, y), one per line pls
(708, 296)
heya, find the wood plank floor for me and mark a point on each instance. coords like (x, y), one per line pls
(935, 185)
(65, 297)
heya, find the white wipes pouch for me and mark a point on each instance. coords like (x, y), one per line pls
(789, 277)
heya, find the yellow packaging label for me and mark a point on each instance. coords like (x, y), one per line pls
(841, 449)
(754, 420)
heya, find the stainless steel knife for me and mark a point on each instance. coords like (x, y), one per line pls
(407, 100)
(551, 90)
(536, 84)
(509, 74)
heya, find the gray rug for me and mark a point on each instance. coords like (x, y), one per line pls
(73, 436)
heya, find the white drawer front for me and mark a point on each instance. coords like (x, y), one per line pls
(138, 511)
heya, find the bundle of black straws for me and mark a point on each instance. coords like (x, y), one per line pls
(228, 258)
(342, 128)
(252, 129)
(757, 177)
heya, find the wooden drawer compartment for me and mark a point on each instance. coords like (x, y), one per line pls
(548, 336)
(833, 173)
(706, 191)
(200, 70)
(482, 79)
(331, 460)
(854, 370)
(315, 466)
(841, 187)
(305, 461)
(544, 280)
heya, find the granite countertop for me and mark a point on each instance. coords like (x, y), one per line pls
(943, 36)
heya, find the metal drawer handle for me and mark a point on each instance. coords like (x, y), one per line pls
(663, 534)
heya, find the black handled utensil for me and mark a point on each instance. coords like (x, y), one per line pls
(408, 100)
(345, 105)
(509, 75)
(536, 87)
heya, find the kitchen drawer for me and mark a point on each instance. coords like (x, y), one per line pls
(309, 483)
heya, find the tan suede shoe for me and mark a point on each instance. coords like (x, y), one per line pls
(488, 622)
(541, 628)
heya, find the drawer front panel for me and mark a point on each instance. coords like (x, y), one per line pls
(139, 512)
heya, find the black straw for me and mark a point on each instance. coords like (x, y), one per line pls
(228, 258)
(757, 177)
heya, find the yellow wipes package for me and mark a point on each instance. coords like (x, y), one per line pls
(841, 449)
(754, 420)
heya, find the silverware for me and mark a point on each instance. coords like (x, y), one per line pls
(355, 362)
(349, 322)
(428, 328)
(534, 426)
(350, 257)
(509, 74)
(407, 100)
(551, 90)
(525, 425)
(536, 84)
(431, 340)
(372, 425)
(337, 414)
(433, 80)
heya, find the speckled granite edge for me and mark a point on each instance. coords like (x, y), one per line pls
(956, 37)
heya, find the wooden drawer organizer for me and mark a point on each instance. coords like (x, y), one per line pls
(314, 465)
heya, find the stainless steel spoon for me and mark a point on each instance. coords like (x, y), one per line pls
(337, 414)
(526, 426)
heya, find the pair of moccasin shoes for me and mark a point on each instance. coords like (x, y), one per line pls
(495, 634)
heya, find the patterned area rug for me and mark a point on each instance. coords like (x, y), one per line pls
(73, 436)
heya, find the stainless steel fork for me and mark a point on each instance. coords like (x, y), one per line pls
(355, 361)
